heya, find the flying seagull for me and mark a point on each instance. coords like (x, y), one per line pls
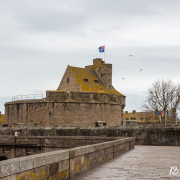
(140, 70)
(131, 55)
(123, 78)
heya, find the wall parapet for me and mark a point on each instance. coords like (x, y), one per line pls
(63, 164)
(90, 97)
(144, 135)
(63, 114)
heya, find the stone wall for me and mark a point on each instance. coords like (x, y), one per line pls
(70, 84)
(64, 114)
(63, 164)
(12, 147)
(169, 136)
(103, 71)
(88, 97)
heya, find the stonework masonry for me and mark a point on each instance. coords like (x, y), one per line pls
(19, 146)
(157, 136)
(84, 97)
(103, 70)
(66, 114)
(63, 164)
(72, 85)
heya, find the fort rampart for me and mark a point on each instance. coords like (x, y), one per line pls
(18, 146)
(167, 136)
(63, 164)
(60, 107)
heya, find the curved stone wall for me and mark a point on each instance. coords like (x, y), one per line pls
(65, 114)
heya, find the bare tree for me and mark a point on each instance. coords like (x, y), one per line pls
(164, 97)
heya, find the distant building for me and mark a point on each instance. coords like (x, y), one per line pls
(148, 117)
(85, 98)
(2, 118)
(141, 117)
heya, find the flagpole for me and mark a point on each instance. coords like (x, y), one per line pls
(104, 53)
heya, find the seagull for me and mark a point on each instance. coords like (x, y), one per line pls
(123, 78)
(131, 55)
(140, 70)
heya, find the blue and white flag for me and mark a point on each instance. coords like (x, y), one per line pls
(101, 49)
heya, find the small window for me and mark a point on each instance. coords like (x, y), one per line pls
(67, 80)
(96, 81)
(147, 119)
(86, 80)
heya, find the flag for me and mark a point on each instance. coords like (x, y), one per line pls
(157, 113)
(101, 49)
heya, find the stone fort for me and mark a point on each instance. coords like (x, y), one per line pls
(85, 97)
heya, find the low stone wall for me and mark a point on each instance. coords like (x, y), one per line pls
(63, 164)
(12, 147)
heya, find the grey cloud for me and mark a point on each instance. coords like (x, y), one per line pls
(44, 15)
(52, 21)
(29, 66)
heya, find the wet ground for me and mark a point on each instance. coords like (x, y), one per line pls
(143, 162)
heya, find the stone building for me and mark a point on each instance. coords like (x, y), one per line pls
(150, 117)
(140, 116)
(85, 98)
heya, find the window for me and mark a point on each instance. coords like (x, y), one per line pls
(134, 111)
(147, 119)
(67, 80)
(96, 81)
(86, 80)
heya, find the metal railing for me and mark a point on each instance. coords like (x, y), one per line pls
(28, 96)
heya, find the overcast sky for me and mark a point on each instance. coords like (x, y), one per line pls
(39, 38)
